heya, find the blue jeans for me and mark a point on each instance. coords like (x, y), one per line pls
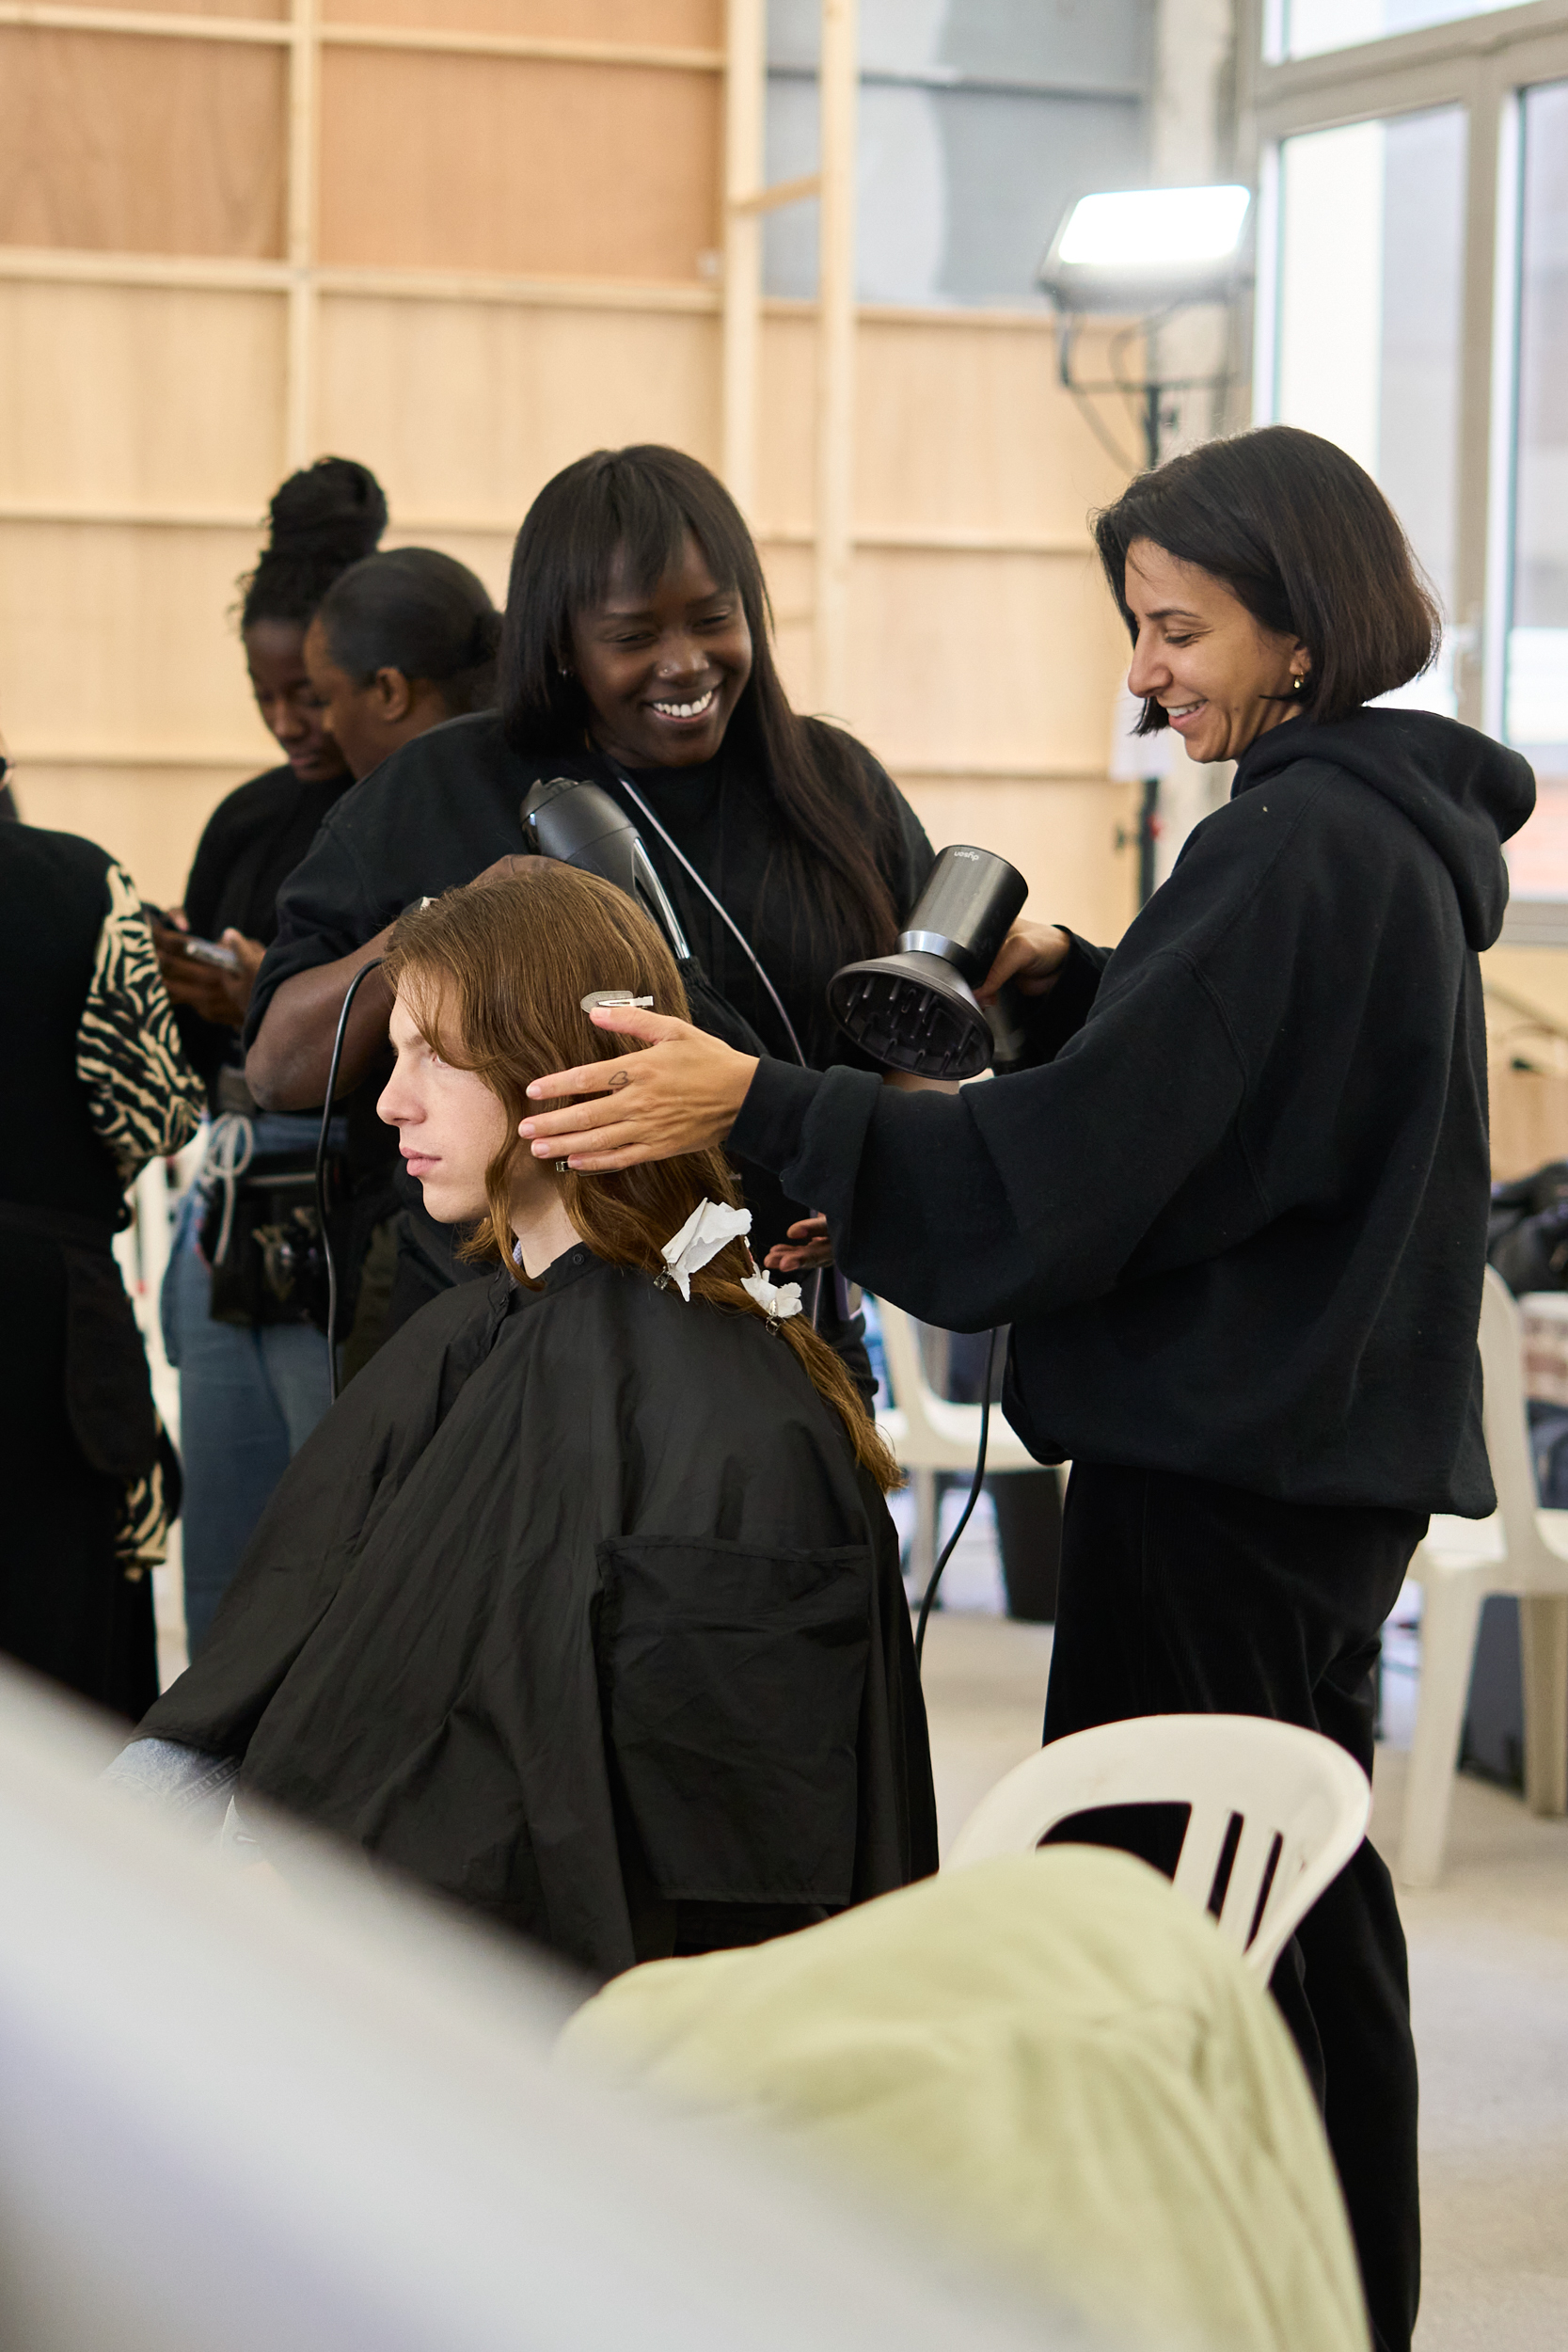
(249, 1399)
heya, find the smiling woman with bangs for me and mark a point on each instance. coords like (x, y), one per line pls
(636, 654)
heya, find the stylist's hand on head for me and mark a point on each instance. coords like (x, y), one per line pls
(1030, 956)
(682, 1094)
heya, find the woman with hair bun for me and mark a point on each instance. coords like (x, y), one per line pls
(583, 1604)
(398, 643)
(243, 1331)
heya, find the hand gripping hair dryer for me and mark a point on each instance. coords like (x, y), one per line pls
(915, 1009)
(579, 824)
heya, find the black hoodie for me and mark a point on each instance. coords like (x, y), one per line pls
(1237, 1215)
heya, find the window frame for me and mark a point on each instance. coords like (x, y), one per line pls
(1483, 64)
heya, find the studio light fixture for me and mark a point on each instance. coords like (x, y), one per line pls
(1140, 249)
(1141, 255)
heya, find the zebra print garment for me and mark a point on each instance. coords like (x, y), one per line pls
(146, 1099)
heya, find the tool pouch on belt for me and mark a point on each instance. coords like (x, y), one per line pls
(264, 1247)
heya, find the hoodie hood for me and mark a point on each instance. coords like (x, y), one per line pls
(1466, 794)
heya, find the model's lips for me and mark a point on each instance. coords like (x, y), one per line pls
(420, 1163)
(687, 712)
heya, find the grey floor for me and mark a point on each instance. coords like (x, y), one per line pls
(1489, 1983)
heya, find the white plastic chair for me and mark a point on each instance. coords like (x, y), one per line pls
(1520, 1548)
(1287, 1807)
(929, 1433)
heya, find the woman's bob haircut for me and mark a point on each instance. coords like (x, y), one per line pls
(1306, 540)
(494, 975)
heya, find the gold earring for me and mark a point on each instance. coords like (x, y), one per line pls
(1298, 682)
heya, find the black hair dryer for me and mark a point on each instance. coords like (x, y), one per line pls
(579, 824)
(916, 1010)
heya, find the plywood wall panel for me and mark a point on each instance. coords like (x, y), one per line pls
(151, 819)
(116, 638)
(967, 428)
(466, 409)
(120, 144)
(786, 421)
(131, 395)
(495, 164)
(788, 572)
(1062, 838)
(664, 24)
(1002, 660)
(487, 553)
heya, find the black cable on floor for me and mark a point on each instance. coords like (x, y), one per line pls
(976, 1484)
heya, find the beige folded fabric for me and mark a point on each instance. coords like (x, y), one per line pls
(1054, 2060)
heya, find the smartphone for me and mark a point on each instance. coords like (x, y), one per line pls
(209, 951)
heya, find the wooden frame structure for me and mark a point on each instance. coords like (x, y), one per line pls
(917, 481)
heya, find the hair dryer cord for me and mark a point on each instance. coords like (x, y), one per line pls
(974, 1485)
(327, 1251)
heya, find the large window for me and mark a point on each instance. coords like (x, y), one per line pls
(1307, 27)
(1536, 709)
(1413, 306)
(1371, 268)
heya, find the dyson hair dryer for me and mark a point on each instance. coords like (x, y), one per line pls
(579, 824)
(915, 1009)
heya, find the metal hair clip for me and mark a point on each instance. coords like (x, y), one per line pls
(615, 1000)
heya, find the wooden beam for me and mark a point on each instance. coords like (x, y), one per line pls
(299, 400)
(146, 23)
(63, 265)
(278, 32)
(838, 91)
(783, 192)
(745, 85)
(119, 756)
(916, 539)
(541, 49)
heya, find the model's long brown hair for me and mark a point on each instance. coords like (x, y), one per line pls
(494, 975)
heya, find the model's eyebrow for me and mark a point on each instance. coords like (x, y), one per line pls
(1174, 613)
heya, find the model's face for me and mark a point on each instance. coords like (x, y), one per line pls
(663, 672)
(1222, 677)
(365, 721)
(289, 703)
(450, 1125)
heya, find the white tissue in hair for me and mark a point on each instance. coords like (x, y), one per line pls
(778, 1300)
(706, 1231)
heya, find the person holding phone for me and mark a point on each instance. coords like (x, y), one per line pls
(237, 1306)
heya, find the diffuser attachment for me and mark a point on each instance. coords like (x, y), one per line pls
(916, 1010)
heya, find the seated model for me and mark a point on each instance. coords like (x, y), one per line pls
(583, 1604)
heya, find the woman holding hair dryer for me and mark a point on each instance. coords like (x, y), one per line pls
(637, 656)
(1236, 1210)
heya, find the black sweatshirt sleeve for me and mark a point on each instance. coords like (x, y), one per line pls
(1048, 1021)
(324, 912)
(1023, 1195)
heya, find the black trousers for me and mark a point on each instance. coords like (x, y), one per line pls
(1179, 1596)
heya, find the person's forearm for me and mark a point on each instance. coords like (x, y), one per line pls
(286, 1068)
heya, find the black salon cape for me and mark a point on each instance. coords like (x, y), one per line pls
(1237, 1217)
(577, 1608)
